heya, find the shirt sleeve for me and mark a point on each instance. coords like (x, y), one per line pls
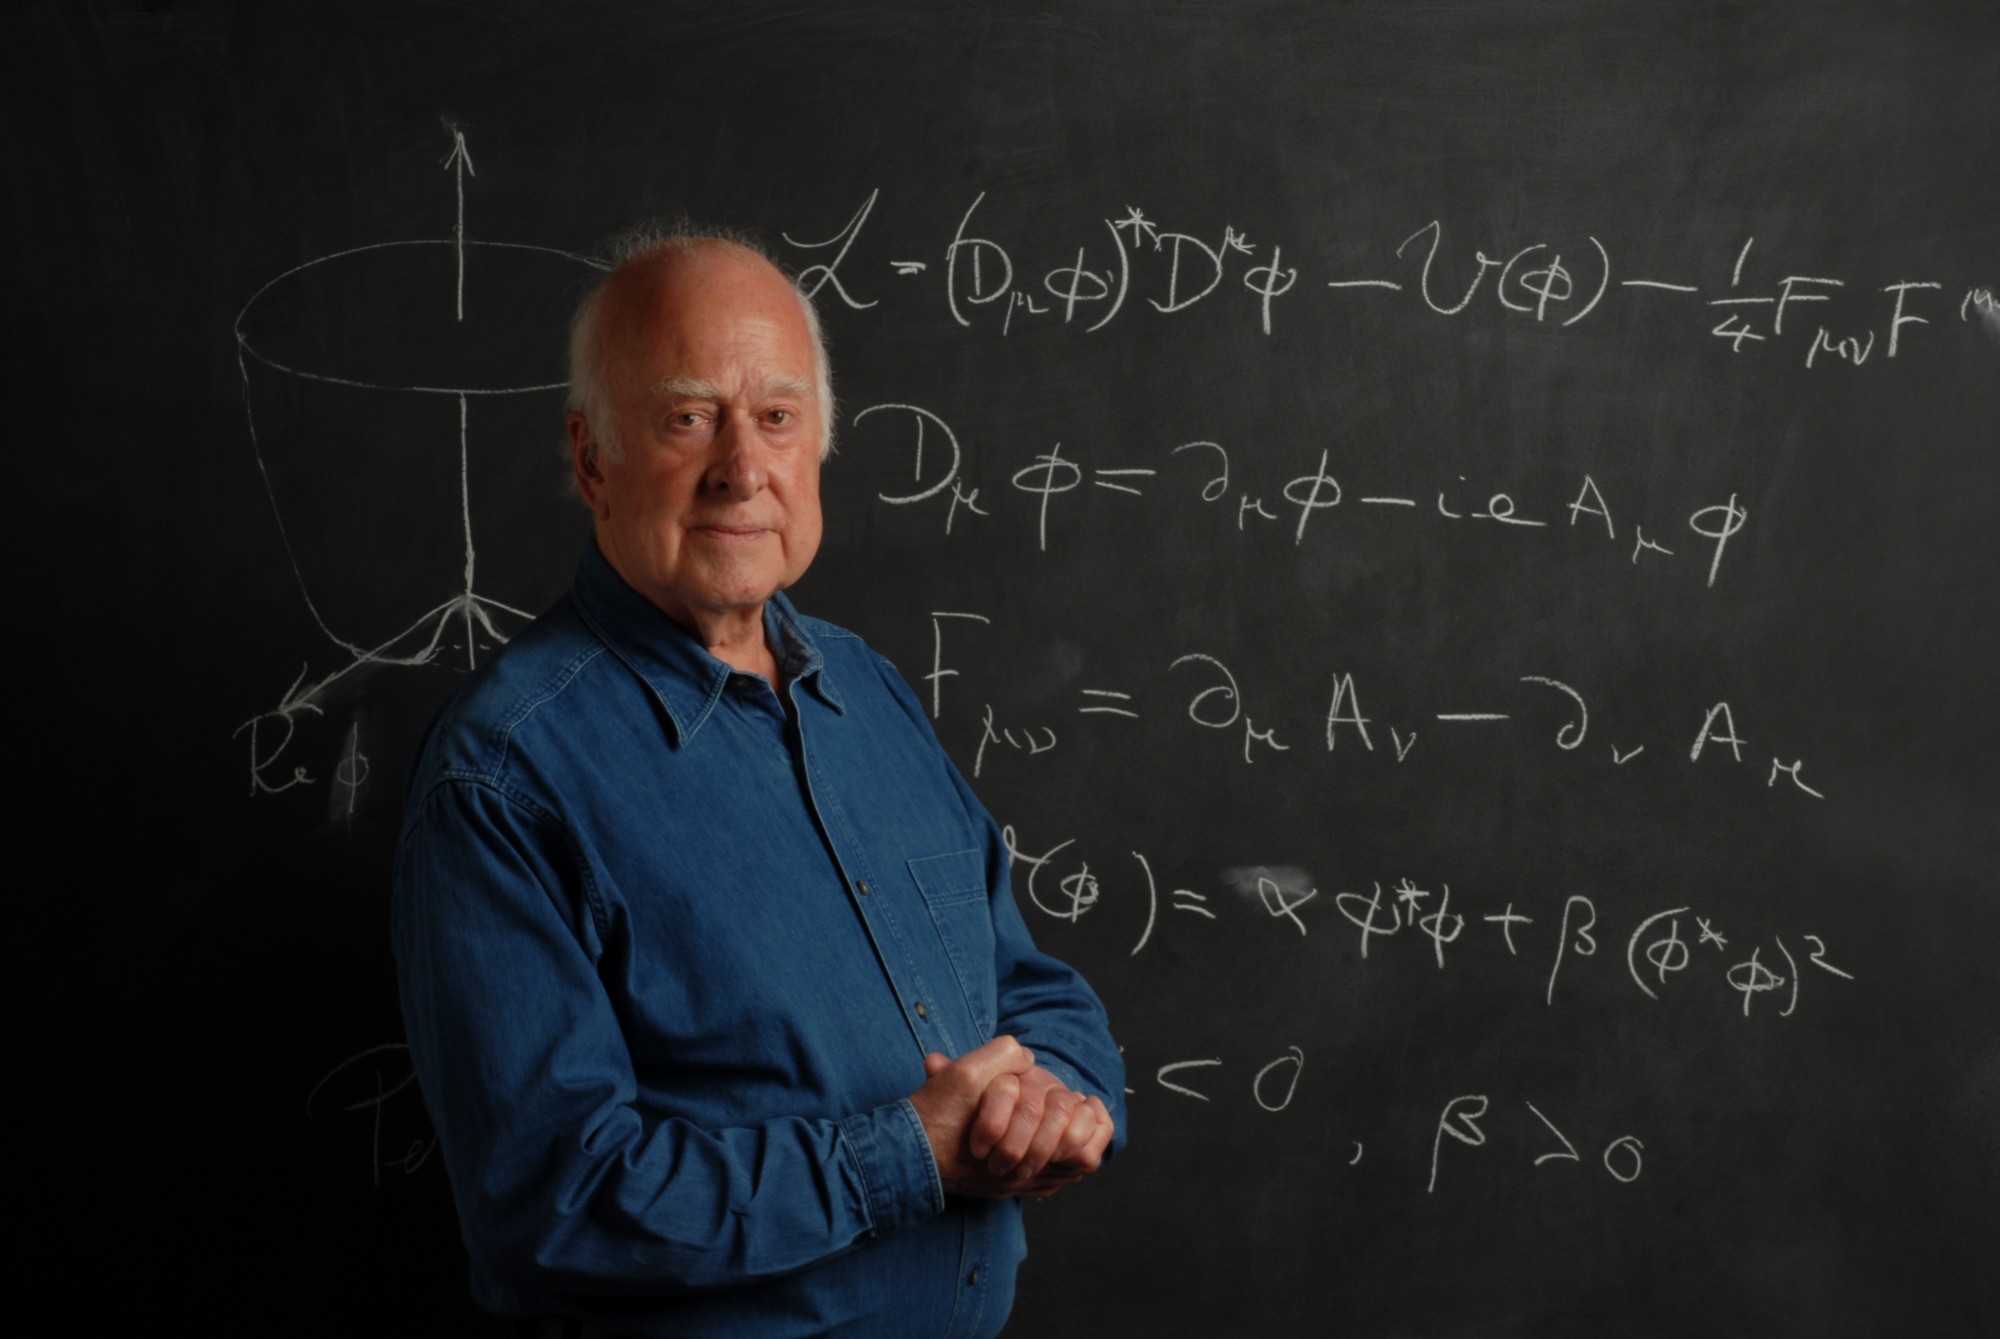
(1044, 1003)
(563, 1185)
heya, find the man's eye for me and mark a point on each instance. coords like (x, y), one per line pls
(780, 416)
(687, 418)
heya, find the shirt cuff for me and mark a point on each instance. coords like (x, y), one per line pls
(892, 1156)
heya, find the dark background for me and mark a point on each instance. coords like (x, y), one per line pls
(213, 1117)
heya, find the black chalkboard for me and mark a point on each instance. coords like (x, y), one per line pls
(1460, 539)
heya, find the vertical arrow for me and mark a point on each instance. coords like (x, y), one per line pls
(461, 163)
(465, 515)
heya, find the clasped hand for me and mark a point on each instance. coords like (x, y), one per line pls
(1003, 1127)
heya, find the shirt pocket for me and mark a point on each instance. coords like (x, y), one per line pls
(955, 894)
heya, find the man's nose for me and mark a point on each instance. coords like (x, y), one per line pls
(737, 467)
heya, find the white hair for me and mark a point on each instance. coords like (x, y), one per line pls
(589, 386)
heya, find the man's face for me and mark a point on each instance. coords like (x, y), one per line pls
(713, 504)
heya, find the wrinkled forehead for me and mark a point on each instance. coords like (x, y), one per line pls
(702, 304)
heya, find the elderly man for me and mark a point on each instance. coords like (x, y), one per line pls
(714, 982)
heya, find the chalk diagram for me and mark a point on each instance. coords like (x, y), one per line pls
(355, 366)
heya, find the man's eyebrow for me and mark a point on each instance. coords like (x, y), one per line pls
(689, 388)
(791, 388)
(685, 388)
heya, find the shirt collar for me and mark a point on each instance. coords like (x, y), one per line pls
(684, 677)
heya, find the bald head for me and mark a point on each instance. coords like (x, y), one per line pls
(658, 273)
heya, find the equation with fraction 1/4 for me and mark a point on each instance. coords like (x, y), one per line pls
(1128, 262)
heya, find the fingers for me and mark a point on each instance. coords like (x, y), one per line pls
(1083, 1151)
(1043, 1114)
(977, 1069)
(1083, 1126)
(1056, 1119)
(990, 1123)
(952, 1092)
(1001, 1126)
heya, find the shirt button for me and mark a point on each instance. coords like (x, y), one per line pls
(972, 1279)
(862, 887)
(921, 1011)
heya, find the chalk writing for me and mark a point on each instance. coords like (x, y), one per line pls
(1272, 1088)
(350, 774)
(379, 1074)
(1287, 1067)
(1660, 947)
(1179, 1065)
(1538, 282)
(1282, 902)
(1033, 739)
(1092, 268)
(1152, 902)
(1228, 711)
(1056, 476)
(919, 417)
(1460, 1119)
(1212, 698)
(1060, 471)
(1292, 503)
(814, 278)
(939, 673)
(479, 621)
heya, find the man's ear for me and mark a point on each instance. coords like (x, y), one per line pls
(586, 466)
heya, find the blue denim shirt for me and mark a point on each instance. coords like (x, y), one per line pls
(672, 945)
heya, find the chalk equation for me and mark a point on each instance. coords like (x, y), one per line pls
(1534, 281)
(1203, 690)
(1661, 947)
(1126, 263)
(377, 1088)
(1114, 268)
(1461, 1119)
(1314, 499)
